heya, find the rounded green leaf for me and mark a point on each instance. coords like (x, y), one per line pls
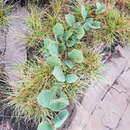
(57, 87)
(67, 35)
(76, 56)
(71, 78)
(91, 24)
(76, 26)
(59, 103)
(88, 23)
(61, 118)
(100, 7)
(79, 30)
(70, 19)
(61, 47)
(45, 97)
(58, 73)
(83, 12)
(45, 53)
(95, 25)
(46, 126)
(69, 64)
(52, 47)
(80, 33)
(53, 61)
(53, 99)
(70, 43)
(58, 30)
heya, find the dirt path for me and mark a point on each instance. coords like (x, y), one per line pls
(15, 47)
(106, 105)
(12, 53)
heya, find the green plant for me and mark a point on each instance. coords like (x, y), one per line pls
(53, 99)
(24, 99)
(41, 21)
(35, 25)
(92, 60)
(115, 27)
(3, 13)
(54, 80)
(129, 5)
(117, 24)
(65, 53)
(57, 122)
(101, 7)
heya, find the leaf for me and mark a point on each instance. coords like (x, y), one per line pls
(74, 38)
(69, 64)
(70, 43)
(45, 53)
(100, 7)
(67, 35)
(91, 24)
(53, 99)
(80, 33)
(61, 118)
(61, 47)
(71, 78)
(58, 30)
(58, 73)
(95, 25)
(79, 30)
(59, 103)
(44, 98)
(76, 56)
(46, 126)
(76, 26)
(83, 12)
(88, 23)
(57, 87)
(53, 61)
(70, 19)
(52, 47)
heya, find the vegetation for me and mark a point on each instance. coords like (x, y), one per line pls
(66, 36)
(3, 13)
(49, 86)
(36, 79)
(116, 26)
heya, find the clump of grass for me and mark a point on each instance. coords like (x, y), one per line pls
(117, 24)
(36, 79)
(3, 13)
(36, 27)
(92, 61)
(86, 70)
(41, 21)
(128, 5)
(72, 90)
(4, 87)
(24, 99)
(123, 2)
(115, 27)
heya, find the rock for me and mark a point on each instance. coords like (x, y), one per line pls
(105, 105)
(15, 46)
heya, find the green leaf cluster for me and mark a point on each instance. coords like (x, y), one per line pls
(62, 55)
(100, 7)
(53, 99)
(56, 123)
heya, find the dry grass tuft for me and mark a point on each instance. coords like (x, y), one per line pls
(24, 99)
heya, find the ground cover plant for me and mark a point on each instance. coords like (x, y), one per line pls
(116, 26)
(4, 10)
(64, 57)
(50, 85)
